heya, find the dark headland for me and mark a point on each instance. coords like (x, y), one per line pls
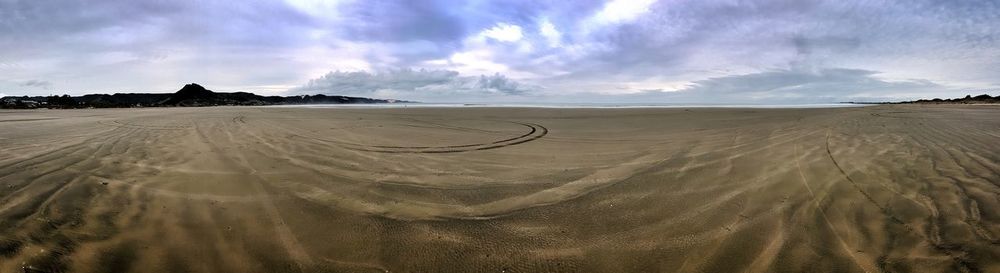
(968, 99)
(191, 95)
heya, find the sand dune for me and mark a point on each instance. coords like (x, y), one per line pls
(244, 189)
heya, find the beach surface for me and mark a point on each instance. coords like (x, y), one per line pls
(893, 188)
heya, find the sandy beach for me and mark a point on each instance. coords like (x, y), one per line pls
(284, 189)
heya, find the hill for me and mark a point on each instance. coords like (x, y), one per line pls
(968, 99)
(191, 95)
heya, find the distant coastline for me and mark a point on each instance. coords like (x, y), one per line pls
(191, 95)
(968, 99)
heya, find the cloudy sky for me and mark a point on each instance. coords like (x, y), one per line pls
(664, 51)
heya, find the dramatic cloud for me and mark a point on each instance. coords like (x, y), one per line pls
(588, 49)
(414, 84)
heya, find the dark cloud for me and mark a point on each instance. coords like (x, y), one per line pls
(106, 24)
(37, 83)
(826, 85)
(445, 21)
(402, 21)
(678, 37)
(146, 45)
(810, 45)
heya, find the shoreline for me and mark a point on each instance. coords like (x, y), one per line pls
(572, 106)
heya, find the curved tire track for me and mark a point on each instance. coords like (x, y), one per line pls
(536, 131)
(960, 260)
(123, 124)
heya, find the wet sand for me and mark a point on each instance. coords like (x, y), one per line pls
(244, 189)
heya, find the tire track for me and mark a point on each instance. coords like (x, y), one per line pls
(34, 119)
(868, 196)
(285, 235)
(535, 132)
(960, 261)
(118, 123)
(864, 265)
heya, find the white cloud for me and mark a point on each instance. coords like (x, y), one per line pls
(620, 11)
(549, 31)
(475, 62)
(503, 32)
(317, 60)
(317, 8)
